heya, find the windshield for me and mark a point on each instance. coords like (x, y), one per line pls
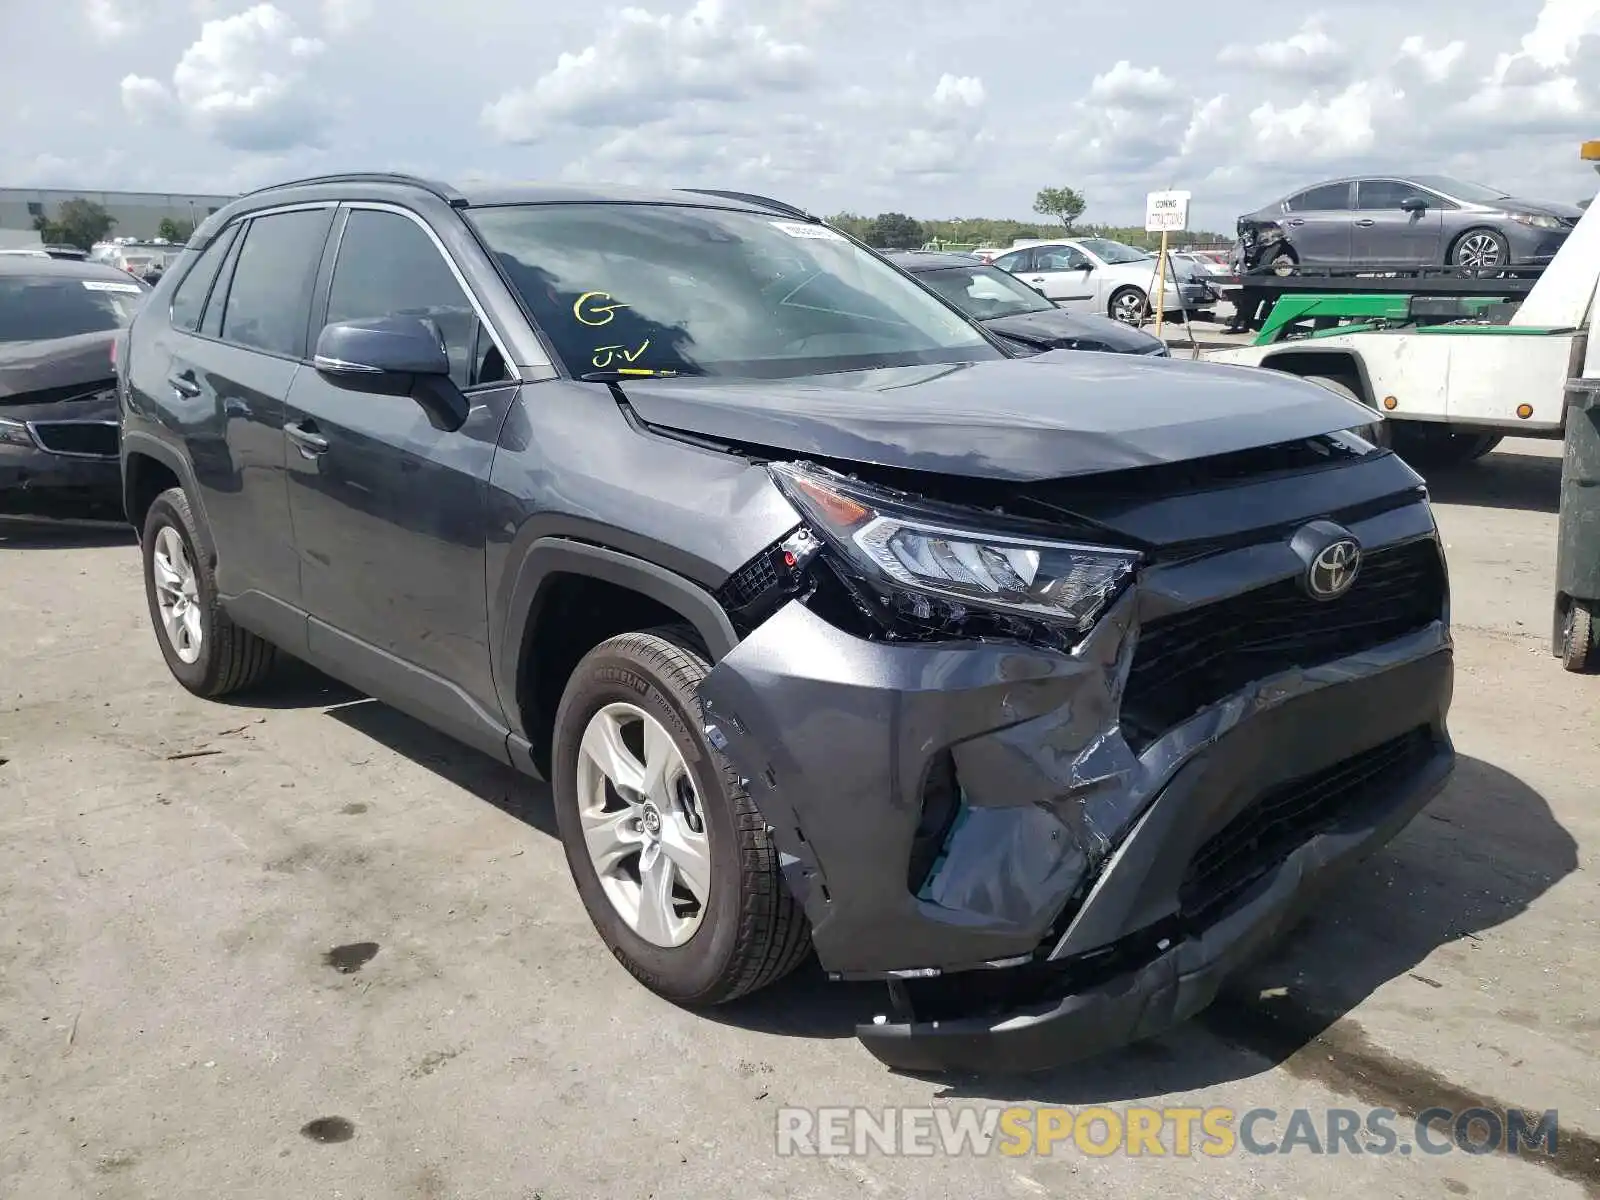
(984, 292)
(1113, 252)
(701, 291)
(35, 308)
(1473, 193)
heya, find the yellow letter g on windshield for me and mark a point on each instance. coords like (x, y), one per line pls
(591, 308)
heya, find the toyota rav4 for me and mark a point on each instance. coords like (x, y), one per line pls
(1046, 689)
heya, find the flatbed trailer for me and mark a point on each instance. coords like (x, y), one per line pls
(1450, 364)
(1449, 368)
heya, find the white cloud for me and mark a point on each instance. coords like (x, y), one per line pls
(1129, 87)
(109, 20)
(643, 65)
(1549, 85)
(146, 99)
(964, 91)
(1307, 54)
(1436, 64)
(242, 83)
(1320, 129)
(340, 17)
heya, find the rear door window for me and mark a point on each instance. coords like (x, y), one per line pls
(269, 299)
(1330, 197)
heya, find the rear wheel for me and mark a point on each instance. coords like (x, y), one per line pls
(1578, 650)
(204, 649)
(1284, 263)
(671, 858)
(1428, 445)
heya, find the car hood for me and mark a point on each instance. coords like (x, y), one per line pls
(1548, 207)
(49, 366)
(1059, 329)
(1056, 414)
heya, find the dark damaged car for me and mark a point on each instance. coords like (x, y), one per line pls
(1046, 689)
(58, 406)
(1017, 313)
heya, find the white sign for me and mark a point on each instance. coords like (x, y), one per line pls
(1166, 212)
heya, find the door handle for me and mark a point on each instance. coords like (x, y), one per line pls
(1364, 222)
(304, 435)
(1037, 279)
(184, 384)
(1298, 221)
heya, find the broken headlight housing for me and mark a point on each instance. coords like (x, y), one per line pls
(922, 569)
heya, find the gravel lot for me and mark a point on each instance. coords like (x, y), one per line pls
(223, 923)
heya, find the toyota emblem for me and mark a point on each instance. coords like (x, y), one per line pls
(1334, 569)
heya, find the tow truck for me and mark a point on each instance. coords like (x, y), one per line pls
(1451, 366)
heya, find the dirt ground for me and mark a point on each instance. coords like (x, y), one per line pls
(231, 930)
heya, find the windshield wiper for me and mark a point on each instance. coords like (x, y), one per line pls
(619, 374)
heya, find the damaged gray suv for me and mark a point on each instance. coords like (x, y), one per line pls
(1046, 690)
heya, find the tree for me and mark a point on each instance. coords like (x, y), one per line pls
(79, 223)
(895, 231)
(175, 231)
(1062, 203)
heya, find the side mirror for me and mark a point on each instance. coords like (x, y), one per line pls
(393, 356)
(1413, 204)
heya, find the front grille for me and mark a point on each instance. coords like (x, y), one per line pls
(1288, 816)
(1196, 658)
(94, 438)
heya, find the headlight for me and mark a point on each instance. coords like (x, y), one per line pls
(1537, 220)
(15, 433)
(934, 570)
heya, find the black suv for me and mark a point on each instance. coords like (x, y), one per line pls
(1046, 689)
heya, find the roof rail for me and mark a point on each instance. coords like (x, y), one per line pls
(446, 193)
(759, 201)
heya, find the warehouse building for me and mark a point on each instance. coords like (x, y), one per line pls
(138, 214)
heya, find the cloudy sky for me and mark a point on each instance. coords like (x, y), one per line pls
(932, 107)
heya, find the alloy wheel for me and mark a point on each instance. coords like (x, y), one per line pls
(1478, 252)
(1128, 308)
(643, 825)
(177, 594)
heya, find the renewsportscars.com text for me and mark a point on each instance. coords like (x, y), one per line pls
(1212, 1132)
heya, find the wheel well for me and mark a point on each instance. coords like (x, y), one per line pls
(147, 478)
(1343, 367)
(573, 614)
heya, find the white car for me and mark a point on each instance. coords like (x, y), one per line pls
(1097, 275)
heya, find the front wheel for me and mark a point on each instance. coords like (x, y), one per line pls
(671, 858)
(1129, 306)
(1481, 252)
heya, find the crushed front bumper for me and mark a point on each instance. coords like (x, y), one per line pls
(971, 820)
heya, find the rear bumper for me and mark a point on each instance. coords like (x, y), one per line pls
(972, 822)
